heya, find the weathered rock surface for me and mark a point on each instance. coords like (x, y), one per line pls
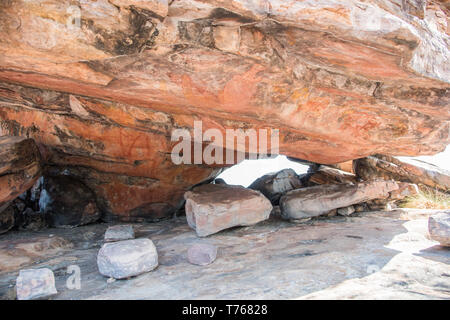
(344, 166)
(439, 228)
(35, 283)
(318, 200)
(413, 171)
(7, 218)
(404, 190)
(328, 175)
(127, 258)
(119, 233)
(274, 185)
(102, 84)
(68, 202)
(346, 211)
(30, 220)
(20, 167)
(390, 255)
(202, 254)
(211, 208)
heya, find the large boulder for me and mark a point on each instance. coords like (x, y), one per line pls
(274, 185)
(129, 258)
(102, 85)
(67, 202)
(318, 200)
(439, 227)
(20, 166)
(411, 170)
(211, 208)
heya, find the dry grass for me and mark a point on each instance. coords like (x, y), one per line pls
(427, 199)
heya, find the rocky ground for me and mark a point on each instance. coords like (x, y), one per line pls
(376, 255)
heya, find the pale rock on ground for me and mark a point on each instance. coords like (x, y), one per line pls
(127, 258)
(439, 228)
(35, 283)
(202, 254)
(318, 200)
(119, 233)
(212, 208)
(369, 255)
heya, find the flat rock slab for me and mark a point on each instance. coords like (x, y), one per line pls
(319, 200)
(202, 254)
(211, 208)
(119, 233)
(388, 254)
(27, 250)
(35, 283)
(127, 258)
(439, 227)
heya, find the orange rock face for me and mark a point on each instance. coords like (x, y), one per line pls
(101, 85)
(20, 167)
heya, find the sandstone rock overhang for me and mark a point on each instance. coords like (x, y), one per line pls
(100, 85)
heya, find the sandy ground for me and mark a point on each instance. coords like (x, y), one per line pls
(379, 255)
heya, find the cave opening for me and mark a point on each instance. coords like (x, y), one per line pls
(248, 171)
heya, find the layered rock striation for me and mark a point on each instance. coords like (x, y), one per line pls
(101, 85)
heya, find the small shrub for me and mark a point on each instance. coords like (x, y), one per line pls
(427, 198)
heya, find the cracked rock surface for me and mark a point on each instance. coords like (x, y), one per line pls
(100, 85)
(375, 255)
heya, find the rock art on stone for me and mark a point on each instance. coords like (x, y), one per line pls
(318, 200)
(68, 202)
(202, 254)
(274, 185)
(211, 208)
(439, 227)
(35, 284)
(129, 258)
(119, 233)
